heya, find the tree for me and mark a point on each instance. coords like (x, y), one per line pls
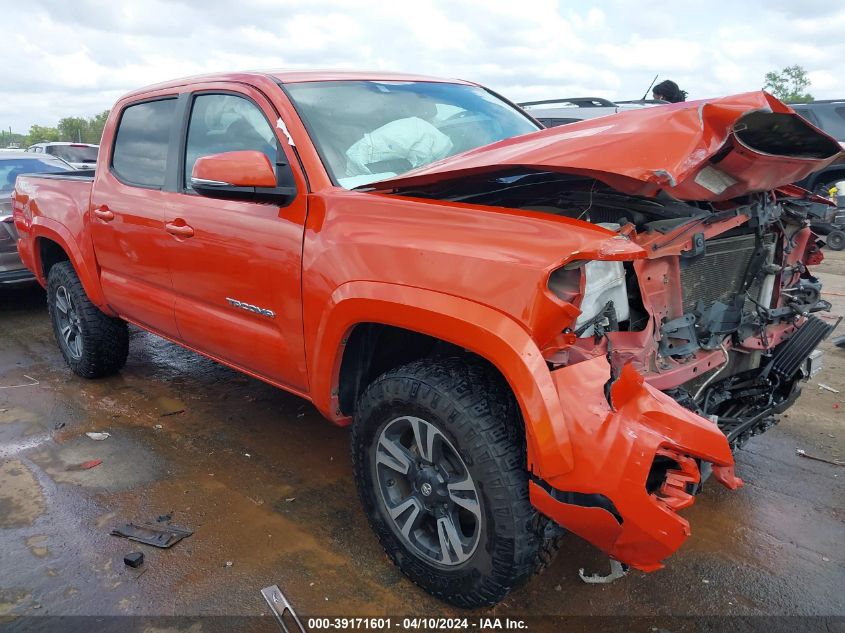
(96, 125)
(41, 134)
(789, 84)
(73, 129)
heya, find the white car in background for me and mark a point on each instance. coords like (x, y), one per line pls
(79, 155)
(554, 112)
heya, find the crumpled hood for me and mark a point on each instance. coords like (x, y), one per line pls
(699, 150)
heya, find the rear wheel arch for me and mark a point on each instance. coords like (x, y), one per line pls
(53, 244)
(49, 254)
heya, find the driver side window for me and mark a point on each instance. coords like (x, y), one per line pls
(226, 123)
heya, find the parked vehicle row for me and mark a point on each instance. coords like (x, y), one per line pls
(523, 329)
(13, 164)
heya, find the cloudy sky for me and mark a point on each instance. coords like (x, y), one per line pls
(74, 58)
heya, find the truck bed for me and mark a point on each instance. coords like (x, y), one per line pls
(54, 206)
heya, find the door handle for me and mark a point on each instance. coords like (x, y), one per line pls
(179, 230)
(104, 213)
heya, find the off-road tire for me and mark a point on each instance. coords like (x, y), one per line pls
(835, 240)
(104, 339)
(473, 407)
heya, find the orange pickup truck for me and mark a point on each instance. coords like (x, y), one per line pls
(528, 330)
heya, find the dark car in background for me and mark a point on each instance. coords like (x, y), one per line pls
(12, 165)
(827, 115)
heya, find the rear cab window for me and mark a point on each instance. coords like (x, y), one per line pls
(141, 144)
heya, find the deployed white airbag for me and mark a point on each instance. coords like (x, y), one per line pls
(413, 139)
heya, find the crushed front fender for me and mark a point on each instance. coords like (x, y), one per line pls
(636, 464)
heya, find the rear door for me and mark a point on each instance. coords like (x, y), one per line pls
(236, 265)
(127, 213)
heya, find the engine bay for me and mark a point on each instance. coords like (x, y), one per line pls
(711, 316)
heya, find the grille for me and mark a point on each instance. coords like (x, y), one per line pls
(718, 274)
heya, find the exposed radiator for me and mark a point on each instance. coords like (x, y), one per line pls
(718, 274)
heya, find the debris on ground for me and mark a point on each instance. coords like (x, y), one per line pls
(155, 535)
(617, 570)
(91, 463)
(823, 387)
(134, 559)
(99, 437)
(164, 518)
(228, 563)
(836, 462)
(177, 412)
(32, 382)
(281, 608)
(158, 427)
(58, 425)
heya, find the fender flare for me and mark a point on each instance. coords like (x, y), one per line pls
(46, 228)
(487, 332)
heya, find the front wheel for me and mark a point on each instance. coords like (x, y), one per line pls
(93, 344)
(836, 240)
(439, 461)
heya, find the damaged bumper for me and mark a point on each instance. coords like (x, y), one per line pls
(637, 464)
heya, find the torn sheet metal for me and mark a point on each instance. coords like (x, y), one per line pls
(162, 536)
(280, 606)
(617, 571)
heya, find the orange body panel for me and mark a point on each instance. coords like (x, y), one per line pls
(275, 292)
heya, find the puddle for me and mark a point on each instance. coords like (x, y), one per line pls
(21, 497)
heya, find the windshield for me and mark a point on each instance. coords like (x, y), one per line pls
(367, 130)
(74, 153)
(11, 168)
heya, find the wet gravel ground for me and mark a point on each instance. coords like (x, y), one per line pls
(265, 483)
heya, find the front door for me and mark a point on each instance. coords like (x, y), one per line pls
(236, 265)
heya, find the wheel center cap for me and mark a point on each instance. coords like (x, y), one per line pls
(426, 489)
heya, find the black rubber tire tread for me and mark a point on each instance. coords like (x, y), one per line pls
(475, 408)
(838, 242)
(105, 339)
(550, 538)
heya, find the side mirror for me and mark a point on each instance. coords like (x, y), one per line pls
(242, 175)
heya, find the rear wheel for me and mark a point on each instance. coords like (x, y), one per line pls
(439, 462)
(836, 240)
(92, 343)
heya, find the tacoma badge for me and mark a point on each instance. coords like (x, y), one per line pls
(251, 308)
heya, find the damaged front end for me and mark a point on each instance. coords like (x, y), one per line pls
(679, 355)
(638, 462)
(676, 359)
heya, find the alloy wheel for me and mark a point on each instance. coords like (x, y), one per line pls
(427, 491)
(68, 322)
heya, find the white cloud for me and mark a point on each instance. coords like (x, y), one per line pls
(75, 58)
